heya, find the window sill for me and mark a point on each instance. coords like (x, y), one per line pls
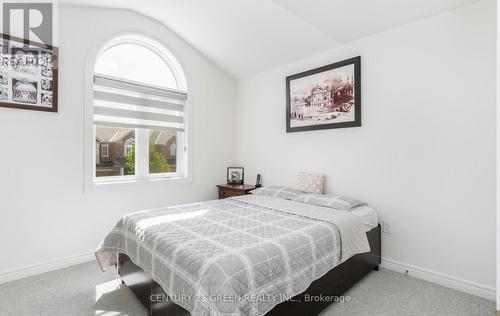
(143, 181)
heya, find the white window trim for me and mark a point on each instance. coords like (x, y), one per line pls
(107, 150)
(90, 180)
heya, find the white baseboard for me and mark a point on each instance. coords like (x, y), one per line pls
(441, 279)
(20, 273)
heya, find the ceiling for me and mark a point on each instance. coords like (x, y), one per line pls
(245, 37)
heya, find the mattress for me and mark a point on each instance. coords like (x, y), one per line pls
(237, 256)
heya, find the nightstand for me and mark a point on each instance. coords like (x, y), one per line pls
(227, 190)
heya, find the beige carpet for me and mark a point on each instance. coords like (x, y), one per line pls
(84, 290)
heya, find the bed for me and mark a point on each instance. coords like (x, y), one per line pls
(247, 255)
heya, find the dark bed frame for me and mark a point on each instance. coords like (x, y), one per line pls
(334, 283)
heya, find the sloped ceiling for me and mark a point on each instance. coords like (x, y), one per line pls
(245, 37)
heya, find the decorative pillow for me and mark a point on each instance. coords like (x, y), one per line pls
(277, 192)
(311, 182)
(338, 202)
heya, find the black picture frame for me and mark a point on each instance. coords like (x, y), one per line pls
(356, 61)
(45, 80)
(230, 179)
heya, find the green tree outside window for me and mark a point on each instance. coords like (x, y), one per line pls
(157, 162)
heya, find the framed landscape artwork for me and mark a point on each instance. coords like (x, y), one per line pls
(325, 97)
(28, 74)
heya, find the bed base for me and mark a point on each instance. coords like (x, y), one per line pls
(334, 283)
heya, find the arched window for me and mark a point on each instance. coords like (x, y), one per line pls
(139, 103)
(133, 62)
(173, 149)
(129, 147)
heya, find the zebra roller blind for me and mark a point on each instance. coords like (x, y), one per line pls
(128, 104)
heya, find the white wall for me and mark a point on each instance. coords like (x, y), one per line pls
(425, 154)
(45, 214)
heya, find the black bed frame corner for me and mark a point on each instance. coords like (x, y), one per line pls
(333, 284)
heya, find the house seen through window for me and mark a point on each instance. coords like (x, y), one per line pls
(139, 110)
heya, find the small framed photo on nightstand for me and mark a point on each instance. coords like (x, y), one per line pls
(235, 175)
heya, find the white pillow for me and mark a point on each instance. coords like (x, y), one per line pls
(311, 182)
(335, 201)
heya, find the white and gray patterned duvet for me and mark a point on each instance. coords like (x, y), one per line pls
(238, 256)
